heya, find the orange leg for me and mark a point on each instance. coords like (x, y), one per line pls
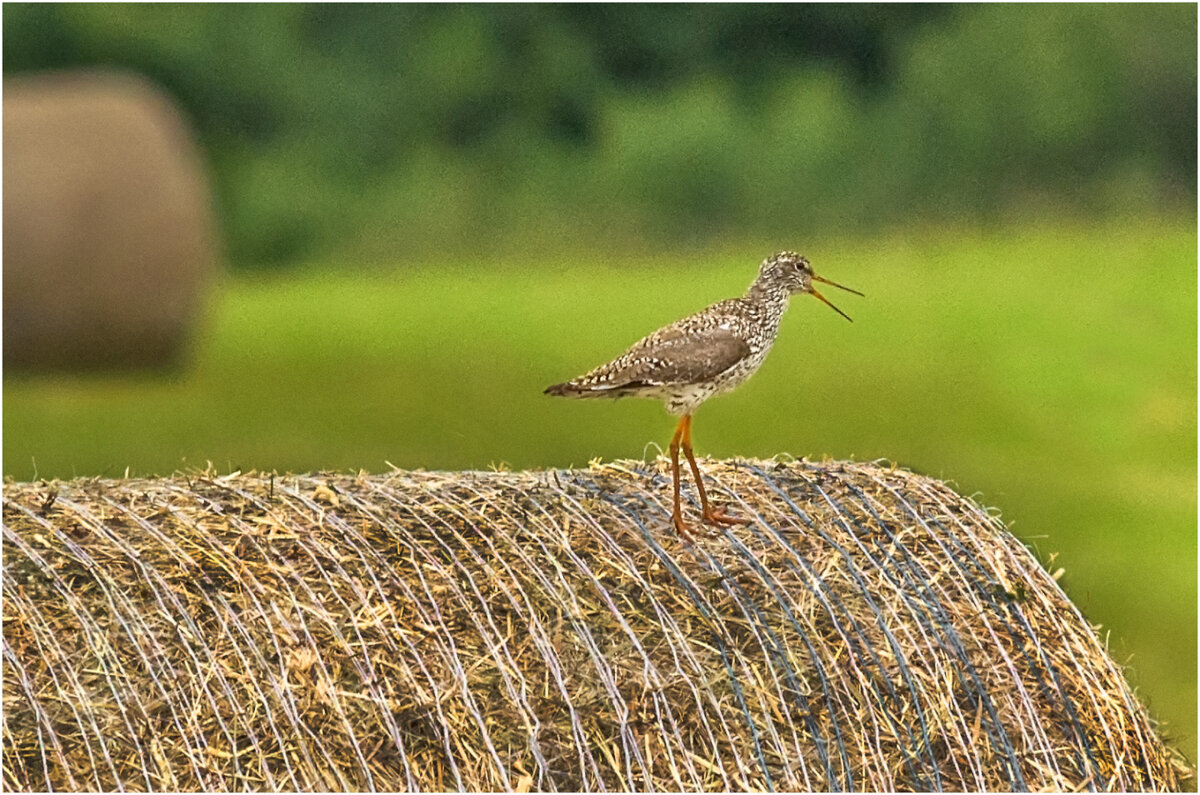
(676, 515)
(710, 514)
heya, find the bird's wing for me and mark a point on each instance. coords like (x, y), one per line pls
(675, 355)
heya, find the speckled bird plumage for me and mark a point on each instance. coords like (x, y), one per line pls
(708, 353)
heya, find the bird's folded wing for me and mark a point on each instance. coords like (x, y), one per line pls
(680, 358)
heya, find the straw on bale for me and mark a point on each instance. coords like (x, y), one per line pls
(110, 241)
(872, 630)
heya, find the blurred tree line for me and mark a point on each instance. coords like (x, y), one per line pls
(395, 131)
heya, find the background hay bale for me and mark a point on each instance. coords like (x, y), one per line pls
(547, 630)
(109, 239)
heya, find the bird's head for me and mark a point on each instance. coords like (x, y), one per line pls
(790, 271)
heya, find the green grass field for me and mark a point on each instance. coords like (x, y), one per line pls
(1048, 370)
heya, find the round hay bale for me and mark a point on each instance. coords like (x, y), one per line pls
(872, 630)
(109, 238)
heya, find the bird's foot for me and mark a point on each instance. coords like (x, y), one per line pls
(681, 527)
(717, 516)
(713, 516)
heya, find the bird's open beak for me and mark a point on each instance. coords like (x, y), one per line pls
(820, 297)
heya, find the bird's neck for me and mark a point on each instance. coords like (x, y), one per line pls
(771, 297)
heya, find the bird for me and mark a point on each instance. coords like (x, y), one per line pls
(702, 355)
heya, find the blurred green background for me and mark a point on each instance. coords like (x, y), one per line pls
(432, 212)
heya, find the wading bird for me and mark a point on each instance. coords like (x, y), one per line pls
(705, 354)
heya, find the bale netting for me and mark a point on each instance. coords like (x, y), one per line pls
(871, 630)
